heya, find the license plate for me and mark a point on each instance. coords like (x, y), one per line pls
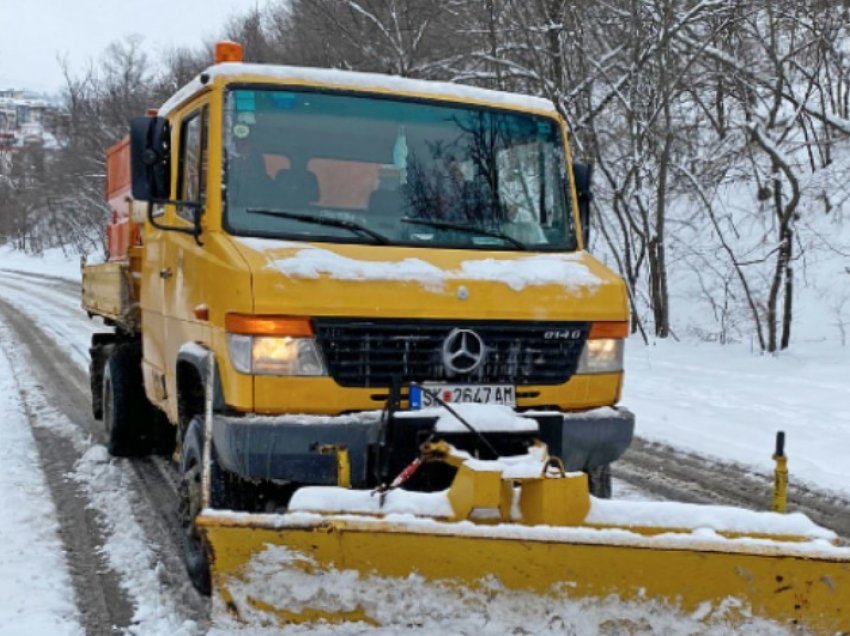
(462, 394)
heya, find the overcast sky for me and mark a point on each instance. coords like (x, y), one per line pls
(34, 32)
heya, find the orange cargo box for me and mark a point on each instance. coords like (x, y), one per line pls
(121, 232)
(118, 176)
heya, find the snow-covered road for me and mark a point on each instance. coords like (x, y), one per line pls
(116, 525)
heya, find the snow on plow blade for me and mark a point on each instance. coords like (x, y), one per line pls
(704, 577)
(515, 533)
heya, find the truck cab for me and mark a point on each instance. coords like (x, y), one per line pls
(334, 267)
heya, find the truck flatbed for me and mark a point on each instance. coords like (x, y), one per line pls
(111, 291)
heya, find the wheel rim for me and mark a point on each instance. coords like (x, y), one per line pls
(190, 506)
(107, 406)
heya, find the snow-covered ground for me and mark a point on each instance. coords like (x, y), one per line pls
(53, 262)
(728, 402)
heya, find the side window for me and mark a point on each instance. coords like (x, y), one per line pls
(193, 162)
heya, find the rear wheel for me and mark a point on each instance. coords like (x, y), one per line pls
(124, 405)
(599, 481)
(102, 345)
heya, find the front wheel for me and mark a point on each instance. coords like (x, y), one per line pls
(190, 492)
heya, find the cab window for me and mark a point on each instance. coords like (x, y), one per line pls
(193, 162)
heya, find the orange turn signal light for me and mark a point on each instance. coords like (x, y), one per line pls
(609, 329)
(227, 51)
(201, 312)
(252, 325)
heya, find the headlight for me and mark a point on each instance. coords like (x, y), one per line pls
(604, 355)
(273, 355)
(239, 348)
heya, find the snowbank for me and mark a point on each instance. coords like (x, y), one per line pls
(53, 262)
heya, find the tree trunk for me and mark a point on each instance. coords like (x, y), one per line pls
(787, 313)
(781, 273)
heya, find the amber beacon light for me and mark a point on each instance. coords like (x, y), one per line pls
(227, 51)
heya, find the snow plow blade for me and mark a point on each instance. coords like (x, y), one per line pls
(792, 584)
(500, 529)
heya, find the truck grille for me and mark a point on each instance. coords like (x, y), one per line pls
(369, 353)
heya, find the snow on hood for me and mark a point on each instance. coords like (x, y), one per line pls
(566, 270)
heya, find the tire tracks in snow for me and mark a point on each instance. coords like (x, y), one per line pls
(153, 481)
(103, 607)
(56, 298)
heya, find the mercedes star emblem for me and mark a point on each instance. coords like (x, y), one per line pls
(463, 351)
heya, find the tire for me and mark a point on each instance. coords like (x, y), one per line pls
(96, 380)
(125, 408)
(227, 492)
(102, 346)
(194, 548)
(599, 481)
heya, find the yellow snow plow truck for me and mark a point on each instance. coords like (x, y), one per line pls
(359, 310)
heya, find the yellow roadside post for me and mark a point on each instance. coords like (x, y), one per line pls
(780, 475)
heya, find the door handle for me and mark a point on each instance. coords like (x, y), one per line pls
(165, 274)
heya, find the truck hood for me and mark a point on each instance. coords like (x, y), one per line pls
(324, 279)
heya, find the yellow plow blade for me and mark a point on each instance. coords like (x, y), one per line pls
(701, 576)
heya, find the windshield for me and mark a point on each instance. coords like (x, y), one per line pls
(344, 168)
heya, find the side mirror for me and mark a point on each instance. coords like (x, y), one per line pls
(582, 174)
(150, 158)
(150, 171)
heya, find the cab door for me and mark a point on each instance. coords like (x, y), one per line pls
(152, 303)
(184, 271)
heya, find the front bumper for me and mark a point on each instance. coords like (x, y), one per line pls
(300, 449)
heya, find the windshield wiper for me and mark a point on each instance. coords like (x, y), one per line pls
(472, 229)
(321, 220)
